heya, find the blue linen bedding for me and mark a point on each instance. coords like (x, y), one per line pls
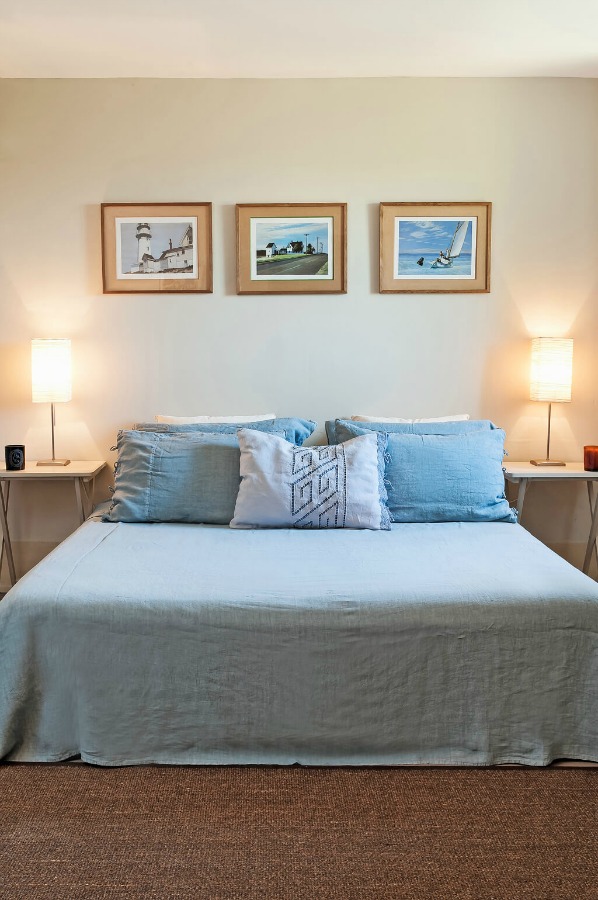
(451, 643)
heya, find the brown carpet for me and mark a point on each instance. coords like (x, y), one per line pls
(297, 834)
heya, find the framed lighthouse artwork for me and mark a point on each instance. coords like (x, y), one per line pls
(157, 248)
(435, 248)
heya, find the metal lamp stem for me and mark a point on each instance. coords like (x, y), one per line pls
(548, 461)
(53, 461)
(53, 417)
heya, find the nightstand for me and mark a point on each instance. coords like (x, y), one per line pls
(524, 473)
(81, 473)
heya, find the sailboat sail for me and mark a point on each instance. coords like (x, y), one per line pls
(445, 258)
(458, 240)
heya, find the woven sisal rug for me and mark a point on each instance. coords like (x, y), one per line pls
(74, 831)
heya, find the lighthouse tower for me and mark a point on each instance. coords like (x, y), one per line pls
(144, 237)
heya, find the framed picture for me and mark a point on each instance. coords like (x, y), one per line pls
(157, 247)
(435, 248)
(292, 248)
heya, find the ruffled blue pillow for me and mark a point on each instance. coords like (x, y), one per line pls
(460, 426)
(445, 477)
(295, 430)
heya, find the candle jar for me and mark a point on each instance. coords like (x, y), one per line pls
(14, 457)
(590, 459)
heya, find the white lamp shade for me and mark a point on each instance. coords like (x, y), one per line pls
(50, 371)
(551, 369)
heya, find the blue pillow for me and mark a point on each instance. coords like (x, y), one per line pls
(294, 430)
(165, 477)
(447, 478)
(353, 428)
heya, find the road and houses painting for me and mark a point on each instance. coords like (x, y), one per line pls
(291, 248)
(443, 247)
(156, 248)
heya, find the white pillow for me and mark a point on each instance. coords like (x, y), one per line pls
(337, 486)
(462, 417)
(217, 420)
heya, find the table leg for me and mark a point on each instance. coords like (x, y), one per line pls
(2, 534)
(591, 547)
(6, 544)
(85, 492)
(89, 492)
(592, 500)
(521, 497)
(80, 505)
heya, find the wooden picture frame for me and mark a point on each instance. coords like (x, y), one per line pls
(157, 248)
(435, 248)
(291, 248)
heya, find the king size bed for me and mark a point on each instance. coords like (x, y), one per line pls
(448, 643)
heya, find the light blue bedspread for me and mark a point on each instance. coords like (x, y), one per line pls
(431, 643)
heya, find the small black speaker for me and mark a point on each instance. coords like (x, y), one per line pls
(14, 457)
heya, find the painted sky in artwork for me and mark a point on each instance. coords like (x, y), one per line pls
(430, 235)
(281, 232)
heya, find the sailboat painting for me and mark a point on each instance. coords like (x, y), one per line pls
(435, 248)
(440, 247)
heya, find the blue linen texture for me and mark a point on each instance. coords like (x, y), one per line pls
(294, 430)
(444, 644)
(456, 427)
(446, 477)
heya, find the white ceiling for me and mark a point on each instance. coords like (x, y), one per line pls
(297, 39)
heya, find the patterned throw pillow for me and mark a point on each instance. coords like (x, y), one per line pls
(284, 486)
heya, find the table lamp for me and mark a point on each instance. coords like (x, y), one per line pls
(550, 381)
(51, 381)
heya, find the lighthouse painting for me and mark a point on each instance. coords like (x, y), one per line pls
(157, 248)
(162, 247)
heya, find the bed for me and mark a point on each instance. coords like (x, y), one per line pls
(454, 643)
(245, 599)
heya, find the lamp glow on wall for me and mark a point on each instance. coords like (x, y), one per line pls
(51, 381)
(550, 380)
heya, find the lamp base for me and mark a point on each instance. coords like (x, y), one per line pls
(53, 462)
(546, 462)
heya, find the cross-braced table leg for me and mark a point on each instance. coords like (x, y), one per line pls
(6, 544)
(591, 548)
(84, 491)
(521, 497)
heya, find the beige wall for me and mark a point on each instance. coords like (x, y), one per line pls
(529, 146)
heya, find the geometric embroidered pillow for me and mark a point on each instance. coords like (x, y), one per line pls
(284, 486)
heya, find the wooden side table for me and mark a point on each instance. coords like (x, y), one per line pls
(524, 473)
(81, 473)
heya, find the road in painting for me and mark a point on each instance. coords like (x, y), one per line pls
(435, 248)
(291, 248)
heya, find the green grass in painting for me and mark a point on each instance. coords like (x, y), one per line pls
(263, 261)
